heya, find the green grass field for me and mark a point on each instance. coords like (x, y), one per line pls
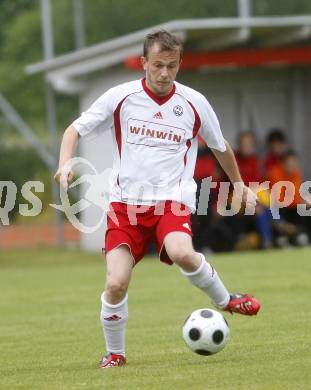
(51, 338)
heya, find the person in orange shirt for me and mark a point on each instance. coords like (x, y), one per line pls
(290, 171)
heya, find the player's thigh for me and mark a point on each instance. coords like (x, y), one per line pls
(119, 266)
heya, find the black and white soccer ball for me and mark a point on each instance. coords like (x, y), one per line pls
(206, 331)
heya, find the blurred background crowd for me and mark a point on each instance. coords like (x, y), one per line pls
(274, 162)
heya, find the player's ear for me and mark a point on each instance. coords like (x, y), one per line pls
(143, 62)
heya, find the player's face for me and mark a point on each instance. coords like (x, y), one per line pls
(161, 69)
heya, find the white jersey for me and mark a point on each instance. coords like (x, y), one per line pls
(154, 140)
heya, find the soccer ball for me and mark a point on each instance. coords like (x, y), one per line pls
(206, 331)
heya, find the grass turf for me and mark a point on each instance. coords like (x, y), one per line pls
(50, 336)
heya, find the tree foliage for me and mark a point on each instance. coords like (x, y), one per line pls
(132, 15)
(281, 7)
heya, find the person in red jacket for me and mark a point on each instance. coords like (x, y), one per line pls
(246, 157)
(249, 166)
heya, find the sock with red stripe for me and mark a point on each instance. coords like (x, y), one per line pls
(114, 320)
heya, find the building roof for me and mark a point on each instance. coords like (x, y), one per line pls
(67, 73)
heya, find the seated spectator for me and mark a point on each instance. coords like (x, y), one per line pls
(206, 162)
(248, 163)
(212, 232)
(246, 157)
(292, 225)
(205, 167)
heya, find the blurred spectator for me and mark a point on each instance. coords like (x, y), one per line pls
(205, 167)
(291, 226)
(206, 163)
(276, 146)
(211, 232)
(246, 157)
(248, 162)
(288, 170)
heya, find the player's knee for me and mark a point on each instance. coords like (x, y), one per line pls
(115, 289)
(183, 257)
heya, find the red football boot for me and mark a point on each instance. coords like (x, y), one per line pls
(243, 304)
(112, 360)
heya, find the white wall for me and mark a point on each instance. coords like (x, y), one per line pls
(246, 99)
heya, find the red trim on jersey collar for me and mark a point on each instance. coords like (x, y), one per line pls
(158, 99)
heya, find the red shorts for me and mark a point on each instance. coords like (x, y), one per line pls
(138, 227)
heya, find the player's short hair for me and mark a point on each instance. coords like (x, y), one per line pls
(166, 41)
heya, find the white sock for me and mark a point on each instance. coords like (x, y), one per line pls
(207, 279)
(114, 320)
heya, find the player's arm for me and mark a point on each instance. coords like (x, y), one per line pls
(69, 143)
(99, 114)
(228, 163)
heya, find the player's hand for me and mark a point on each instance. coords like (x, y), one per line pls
(64, 177)
(249, 198)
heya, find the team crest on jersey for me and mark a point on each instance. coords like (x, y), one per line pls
(178, 110)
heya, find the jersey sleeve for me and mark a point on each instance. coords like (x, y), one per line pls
(210, 129)
(99, 116)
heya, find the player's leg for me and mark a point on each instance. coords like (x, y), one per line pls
(193, 265)
(119, 262)
(200, 273)
(114, 310)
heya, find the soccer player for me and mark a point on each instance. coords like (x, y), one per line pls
(154, 123)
